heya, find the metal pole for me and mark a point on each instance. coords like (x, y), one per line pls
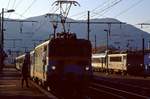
(143, 41)
(88, 24)
(107, 31)
(95, 43)
(143, 52)
(107, 51)
(2, 29)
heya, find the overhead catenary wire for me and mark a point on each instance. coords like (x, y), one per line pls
(8, 8)
(41, 24)
(104, 10)
(100, 10)
(8, 4)
(99, 6)
(14, 4)
(100, 14)
(18, 4)
(53, 10)
(104, 6)
(29, 7)
(19, 15)
(12, 8)
(129, 8)
(51, 15)
(79, 14)
(84, 13)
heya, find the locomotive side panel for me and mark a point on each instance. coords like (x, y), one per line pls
(135, 64)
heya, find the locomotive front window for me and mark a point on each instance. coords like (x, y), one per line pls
(70, 48)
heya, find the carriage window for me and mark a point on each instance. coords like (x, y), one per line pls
(98, 60)
(115, 59)
(95, 60)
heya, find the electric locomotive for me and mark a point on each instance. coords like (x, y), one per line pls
(67, 66)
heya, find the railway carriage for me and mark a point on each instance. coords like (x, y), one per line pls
(131, 63)
(99, 62)
(38, 71)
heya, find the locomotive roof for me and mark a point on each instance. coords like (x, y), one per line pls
(58, 39)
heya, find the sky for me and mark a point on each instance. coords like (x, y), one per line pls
(129, 11)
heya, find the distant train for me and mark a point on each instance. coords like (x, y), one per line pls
(67, 65)
(127, 63)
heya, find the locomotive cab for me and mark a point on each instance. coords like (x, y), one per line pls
(68, 64)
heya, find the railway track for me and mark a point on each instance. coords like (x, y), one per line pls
(108, 89)
(118, 89)
(114, 93)
(105, 91)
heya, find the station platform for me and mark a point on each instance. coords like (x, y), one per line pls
(10, 86)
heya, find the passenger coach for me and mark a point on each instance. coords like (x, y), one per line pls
(131, 63)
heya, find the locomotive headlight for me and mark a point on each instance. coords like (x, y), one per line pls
(146, 65)
(53, 67)
(87, 68)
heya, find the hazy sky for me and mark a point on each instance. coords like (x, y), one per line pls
(129, 11)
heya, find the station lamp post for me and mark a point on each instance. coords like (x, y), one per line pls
(2, 25)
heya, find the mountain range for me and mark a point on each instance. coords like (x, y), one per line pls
(24, 35)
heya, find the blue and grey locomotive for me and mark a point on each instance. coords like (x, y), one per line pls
(63, 64)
